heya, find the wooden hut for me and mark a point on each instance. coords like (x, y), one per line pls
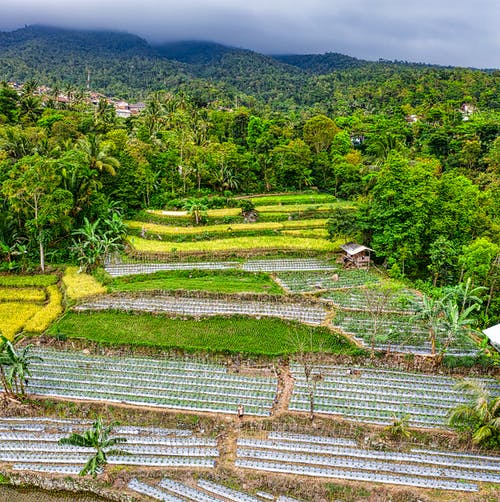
(355, 255)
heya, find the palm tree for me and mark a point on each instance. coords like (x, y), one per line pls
(98, 438)
(194, 207)
(15, 366)
(97, 154)
(481, 415)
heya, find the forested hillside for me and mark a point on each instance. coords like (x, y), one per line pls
(126, 66)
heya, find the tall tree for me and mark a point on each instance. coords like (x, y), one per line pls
(33, 191)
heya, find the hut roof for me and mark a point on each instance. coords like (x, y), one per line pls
(352, 248)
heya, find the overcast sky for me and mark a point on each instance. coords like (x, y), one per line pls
(455, 32)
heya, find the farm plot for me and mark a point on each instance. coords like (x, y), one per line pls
(363, 298)
(236, 334)
(167, 383)
(220, 230)
(28, 303)
(33, 445)
(204, 491)
(268, 265)
(303, 282)
(217, 281)
(200, 307)
(312, 457)
(259, 243)
(401, 333)
(377, 396)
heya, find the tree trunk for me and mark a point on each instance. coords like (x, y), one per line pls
(432, 336)
(42, 254)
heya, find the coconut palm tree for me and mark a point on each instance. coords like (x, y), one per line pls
(480, 416)
(15, 366)
(97, 154)
(98, 438)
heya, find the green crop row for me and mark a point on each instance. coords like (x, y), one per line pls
(28, 280)
(246, 335)
(234, 245)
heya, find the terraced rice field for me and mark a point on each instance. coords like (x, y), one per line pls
(256, 244)
(335, 458)
(201, 307)
(165, 383)
(28, 302)
(377, 396)
(155, 230)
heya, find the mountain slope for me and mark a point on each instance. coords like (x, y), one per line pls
(321, 63)
(119, 63)
(126, 66)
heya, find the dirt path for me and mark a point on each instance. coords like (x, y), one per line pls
(226, 444)
(284, 393)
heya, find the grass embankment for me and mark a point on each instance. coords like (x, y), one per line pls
(223, 281)
(269, 337)
(258, 243)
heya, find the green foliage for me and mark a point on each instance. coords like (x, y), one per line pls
(342, 222)
(480, 417)
(94, 241)
(98, 437)
(229, 281)
(265, 336)
(14, 366)
(399, 427)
